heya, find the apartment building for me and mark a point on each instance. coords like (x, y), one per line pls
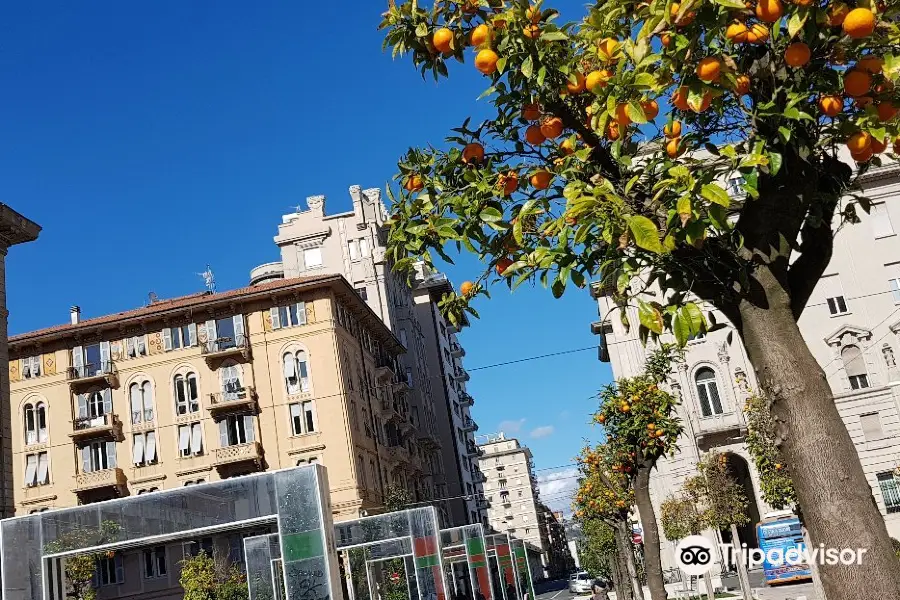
(851, 323)
(512, 494)
(456, 427)
(210, 386)
(560, 562)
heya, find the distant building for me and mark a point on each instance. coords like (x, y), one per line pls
(559, 560)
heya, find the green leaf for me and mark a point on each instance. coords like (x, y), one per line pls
(645, 233)
(554, 36)
(785, 134)
(732, 4)
(774, 163)
(684, 209)
(650, 317)
(716, 194)
(797, 20)
(691, 313)
(491, 215)
(644, 80)
(681, 329)
(631, 183)
(635, 112)
(528, 67)
(421, 30)
(501, 64)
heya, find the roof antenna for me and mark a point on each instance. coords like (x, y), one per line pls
(153, 297)
(209, 279)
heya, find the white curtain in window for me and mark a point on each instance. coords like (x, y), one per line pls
(137, 403)
(147, 393)
(150, 447)
(184, 438)
(290, 373)
(41, 417)
(138, 450)
(303, 371)
(43, 473)
(854, 362)
(196, 439)
(30, 469)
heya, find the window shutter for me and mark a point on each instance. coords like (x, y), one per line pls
(78, 360)
(184, 438)
(150, 450)
(137, 406)
(290, 371)
(43, 468)
(137, 455)
(301, 313)
(854, 362)
(296, 419)
(82, 406)
(276, 319)
(30, 469)
(86, 459)
(129, 347)
(211, 334)
(192, 334)
(238, 329)
(223, 433)
(249, 433)
(107, 402)
(41, 417)
(105, 367)
(142, 344)
(147, 393)
(120, 568)
(110, 455)
(196, 438)
(167, 338)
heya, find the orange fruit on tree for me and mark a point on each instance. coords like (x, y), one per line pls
(680, 99)
(502, 265)
(859, 141)
(837, 12)
(486, 61)
(534, 135)
(473, 153)
(622, 114)
(466, 288)
(531, 112)
(878, 146)
(742, 85)
(685, 20)
(673, 147)
(863, 101)
(831, 105)
(863, 155)
(568, 146)
(414, 184)
(886, 110)
(552, 128)
(736, 32)
(612, 131)
(857, 83)
(509, 182)
(870, 64)
(532, 31)
(672, 130)
(709, 69)
(571, 221)
(859, 23)
(769, 10)
(442, 40)
(578, 86)
(797, 54)
(666, 39)
(597, 78)
(650, 108)
(481, 35)
(758, 34)
(802, 2)
(541, 179)
(607, 48)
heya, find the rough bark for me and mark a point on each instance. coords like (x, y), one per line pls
(616, 574)
(743, 576)
(652, 560)
(838, 508)
(626, 551)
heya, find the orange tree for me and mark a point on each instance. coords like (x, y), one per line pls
(606, 158)
(775, 483)
(641, 425)
(605, 494)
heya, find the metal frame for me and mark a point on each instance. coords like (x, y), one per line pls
(499, 547)
(471, 539)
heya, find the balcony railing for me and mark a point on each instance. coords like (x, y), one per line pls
(93, 373)
(482, 502)
(465, 399)
(384, 368)
(474, 450)
(100, 479)
(238, 453)
(460, 374)
(242, 398)
(86, 427)
(478, 476)
(717, 424)
(469, 425)
(456, 350)
(226, 346)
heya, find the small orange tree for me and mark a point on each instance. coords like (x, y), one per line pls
(608, 157)
(775, 483)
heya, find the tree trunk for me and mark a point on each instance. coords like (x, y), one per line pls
(616, 572)
(836, 500)
(652, 560)
(743, 576)
(626, 549)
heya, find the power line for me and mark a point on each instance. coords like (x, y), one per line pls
(530, 358)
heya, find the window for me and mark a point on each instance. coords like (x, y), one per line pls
(361, 292)
(98, 456)
(890, 492)
(409, 376)
(871, 426)
(290, 315)
(31, 367)
(194, 482)
(36, 423)
(93, 408)
(855, 366)
(236, 430)
(155, 562)
(734, 185)
(353, 247)
(144, 449)
(837, 305)
(184, 336)
(296, 372)
(881, 221)
(403, 338)
(149, 490)
(91, 360)
(110, 571)
(364, 247)
(708, 391)
(308, 461)
(361, 470)
(136, 346)
(232, 388)
(303, 417)
(888, 353)
(312, 258)
(37, 469)
(186, 395)
(204, 545)
(141, 396)
(895, 288)
(469, 489)
(190, 439)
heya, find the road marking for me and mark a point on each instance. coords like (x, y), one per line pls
(556, 594)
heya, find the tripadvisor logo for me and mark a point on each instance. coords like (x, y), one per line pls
(694, 554)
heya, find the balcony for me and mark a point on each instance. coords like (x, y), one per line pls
(217, 350)
(230, 455)
(460, 374)
(456, 350)
(104, 478)
(478, 476)
(469, 425)
(390, 412)
(385, 369)
(92, 374)
(716, 425)
(505, 501)
(240, 400)
(482, 502)
(93, 427)
(465, 399)
(474, 450)
(429, 439)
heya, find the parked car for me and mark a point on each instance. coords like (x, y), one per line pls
(580, 583)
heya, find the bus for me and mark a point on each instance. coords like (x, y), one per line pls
(782, 530)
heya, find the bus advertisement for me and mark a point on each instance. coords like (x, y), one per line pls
(782, 533)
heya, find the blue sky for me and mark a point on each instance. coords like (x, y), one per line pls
(150, 140)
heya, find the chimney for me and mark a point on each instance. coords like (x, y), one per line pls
(75, 314)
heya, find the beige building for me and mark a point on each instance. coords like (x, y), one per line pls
(512, 494)
(210, 386)
(852, 326)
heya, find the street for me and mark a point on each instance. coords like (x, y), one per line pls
(558, 590)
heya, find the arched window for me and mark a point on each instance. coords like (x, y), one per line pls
(41, 414)
(231, 381)
(141, 396)
(186, 394)
(855, 366)
(296, 372)
(30, 424)
(708, 391)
